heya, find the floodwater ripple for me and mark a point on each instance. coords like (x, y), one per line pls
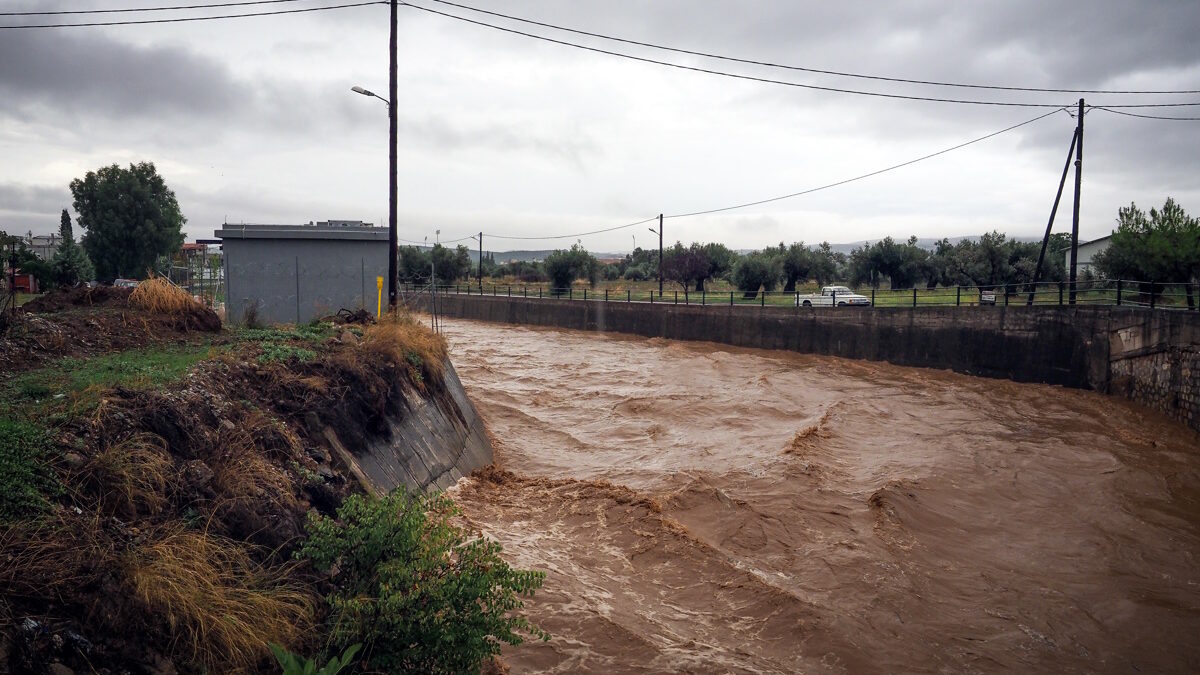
(703, 508)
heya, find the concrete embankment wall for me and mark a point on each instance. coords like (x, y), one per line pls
(1152, 357)
(432, 442)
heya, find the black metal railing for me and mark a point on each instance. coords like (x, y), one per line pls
(1097, 292)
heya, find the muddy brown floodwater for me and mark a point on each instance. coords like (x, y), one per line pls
(703, 508)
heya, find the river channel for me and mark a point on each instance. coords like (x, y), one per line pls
(710, 509)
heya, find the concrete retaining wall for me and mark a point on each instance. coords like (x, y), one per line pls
(433, 442)
(1148, 356)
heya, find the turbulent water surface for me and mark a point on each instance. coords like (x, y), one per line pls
(703, 508)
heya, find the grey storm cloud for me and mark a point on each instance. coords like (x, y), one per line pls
(89, 72)
(443, 135)
(33, 199)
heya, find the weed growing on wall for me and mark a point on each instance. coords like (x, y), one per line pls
(417, 591)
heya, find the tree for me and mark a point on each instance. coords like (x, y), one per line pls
(70, 265)
(797, 265)
(686, 265)
(131, 218)
(825, 264)
(564, 267)
(720, 262)
(450, 264)
(1164, 248)
(26, 260)
(413, 265)
(756, 270)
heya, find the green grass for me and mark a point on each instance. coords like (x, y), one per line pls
(23, 298)
(287, 343)
(26, 480)
(75, 385)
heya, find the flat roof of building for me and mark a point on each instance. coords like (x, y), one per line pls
(337, 232)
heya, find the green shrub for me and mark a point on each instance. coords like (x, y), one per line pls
(293, 664)
(26, 480)
(415, 589)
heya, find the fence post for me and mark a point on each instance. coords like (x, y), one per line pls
(731, 298)
(652, 296)
(677, 297)
(762, 301)
(571, 293)
(1060, 293)
(872, 297)
(1006, 295)
(606, 295)
(958, 296)
(1118, 292)
(1151, 295)
(914, 296)
(525, 291)
(585, 294)
(628, 295)
(703, 294)
(539, 292)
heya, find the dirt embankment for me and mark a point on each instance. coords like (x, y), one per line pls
(85, 322)
(165, 542)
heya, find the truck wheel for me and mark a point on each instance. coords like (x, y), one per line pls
(807, 303)
(841, 304)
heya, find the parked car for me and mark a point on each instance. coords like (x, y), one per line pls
(830, 296)
(125, 283)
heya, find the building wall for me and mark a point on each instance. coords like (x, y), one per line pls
(1149, 356)
(297, 280)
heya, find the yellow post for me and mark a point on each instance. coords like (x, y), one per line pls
(379, 304)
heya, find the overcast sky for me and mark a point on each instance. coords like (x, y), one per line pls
(252, 120)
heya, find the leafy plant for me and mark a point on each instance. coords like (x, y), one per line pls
(25, 478)
(294, 664)
(415, 589)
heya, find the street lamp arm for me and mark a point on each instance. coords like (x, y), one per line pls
(367, 92)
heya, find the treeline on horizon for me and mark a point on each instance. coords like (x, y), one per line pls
(1161, 246)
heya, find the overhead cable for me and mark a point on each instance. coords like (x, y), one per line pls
(766, 80)
(865, 175)
(195, 18)
(768, 64)
(1148, 117)
(794, 194)
(147, 9)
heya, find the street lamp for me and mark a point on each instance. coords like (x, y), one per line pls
(659, 232)
(393, 240)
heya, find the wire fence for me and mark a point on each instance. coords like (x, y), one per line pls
(1118, 292)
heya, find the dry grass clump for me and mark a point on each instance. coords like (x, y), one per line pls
(160, 296)
(133, 475)
(400, 339)
(220, 607)
(54, 556)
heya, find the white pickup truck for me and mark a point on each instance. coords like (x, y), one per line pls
(831, 296)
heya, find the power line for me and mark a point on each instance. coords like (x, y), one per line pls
(794, 194)
(147, 9)
(769, 80)
(769, 64)
(865, 175)
(1148, 117)
(577, 234)
(194, 18)
(727, 74)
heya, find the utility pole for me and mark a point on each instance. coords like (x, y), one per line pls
(1037, 271)
(393, 239)
(660, 274)
(481, 263)
(1078, 186)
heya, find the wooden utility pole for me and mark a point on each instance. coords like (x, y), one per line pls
(480, 263)
(1075, 212)
(393, 239)
(1037, 271)
(660, 271)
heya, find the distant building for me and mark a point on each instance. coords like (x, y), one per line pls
(296, 273)
(1086, 251)
(43, 245)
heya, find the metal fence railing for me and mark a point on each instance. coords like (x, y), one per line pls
(1095, 292)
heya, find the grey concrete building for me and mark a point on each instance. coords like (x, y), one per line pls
(295, 273)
